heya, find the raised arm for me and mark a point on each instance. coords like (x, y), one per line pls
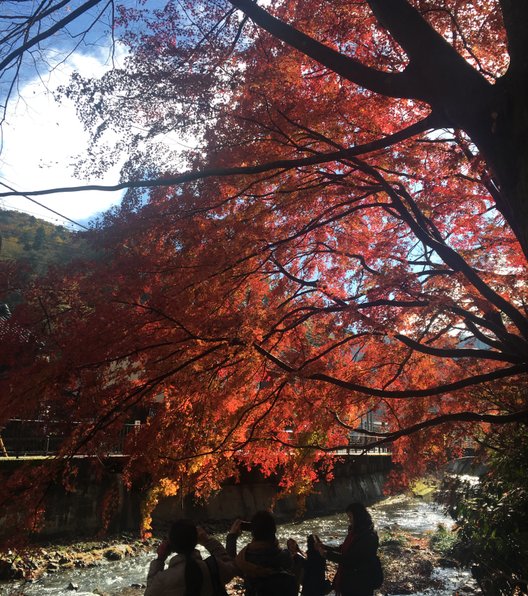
(226, 565)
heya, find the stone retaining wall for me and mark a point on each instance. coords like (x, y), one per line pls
(78, 514)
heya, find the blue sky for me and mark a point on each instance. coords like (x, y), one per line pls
(41, 138)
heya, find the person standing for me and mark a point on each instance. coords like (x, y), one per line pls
(358, 566)
(267, 568)
(314, 578)
(187, 573)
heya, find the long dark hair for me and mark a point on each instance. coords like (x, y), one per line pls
(183, 538)
(263, 526)
(362, 519)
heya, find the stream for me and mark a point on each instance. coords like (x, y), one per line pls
(414, 516)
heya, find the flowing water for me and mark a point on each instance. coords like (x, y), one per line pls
(414, 516)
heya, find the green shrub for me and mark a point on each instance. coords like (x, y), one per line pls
(492, 516)
(444, 541)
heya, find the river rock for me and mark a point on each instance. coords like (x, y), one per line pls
(424, 567)
(469, 590)
(405, 588)
(118, 552)
(72, 586)
(448, 563)
(68, 565)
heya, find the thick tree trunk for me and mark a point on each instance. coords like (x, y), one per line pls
(494, 116)
(501, 134)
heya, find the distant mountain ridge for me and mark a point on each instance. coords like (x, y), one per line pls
(38, 242)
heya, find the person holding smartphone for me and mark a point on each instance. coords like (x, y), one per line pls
(187, 574)
(267, 568)
(359, 570)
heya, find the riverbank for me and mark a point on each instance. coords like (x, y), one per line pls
(32, 563)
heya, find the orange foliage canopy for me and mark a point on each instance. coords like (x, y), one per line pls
(349, 237)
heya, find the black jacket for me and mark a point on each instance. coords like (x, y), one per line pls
(314, 578)
(265, 567)
(356, 564)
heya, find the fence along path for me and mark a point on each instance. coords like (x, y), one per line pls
(37, 438)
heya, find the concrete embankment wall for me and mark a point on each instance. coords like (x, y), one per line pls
(355, 479)
(466, 466)
(79, 513)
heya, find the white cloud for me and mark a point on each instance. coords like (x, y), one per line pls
(41, 140)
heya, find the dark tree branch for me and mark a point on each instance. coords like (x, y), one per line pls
(283, 164)
(132, 399)
(514, 417)
(448, 255)
(430, 391)
(459, 352)
(432, 59)
(384, 438)
(292, 277)
(57, 26)
(501, 373)
(45, 207)
(390, 84)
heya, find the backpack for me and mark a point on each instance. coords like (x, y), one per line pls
(377, 573)
(281, 583)
(218, 586)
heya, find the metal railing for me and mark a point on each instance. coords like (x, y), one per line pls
(26, 438)
(360, 444)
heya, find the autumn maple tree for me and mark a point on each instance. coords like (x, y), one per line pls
(344, 231)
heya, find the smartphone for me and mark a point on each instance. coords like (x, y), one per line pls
(245, 526)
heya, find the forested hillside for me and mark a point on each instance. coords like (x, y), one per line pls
(37, 242)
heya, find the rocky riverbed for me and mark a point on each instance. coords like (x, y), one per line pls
(32, 563)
